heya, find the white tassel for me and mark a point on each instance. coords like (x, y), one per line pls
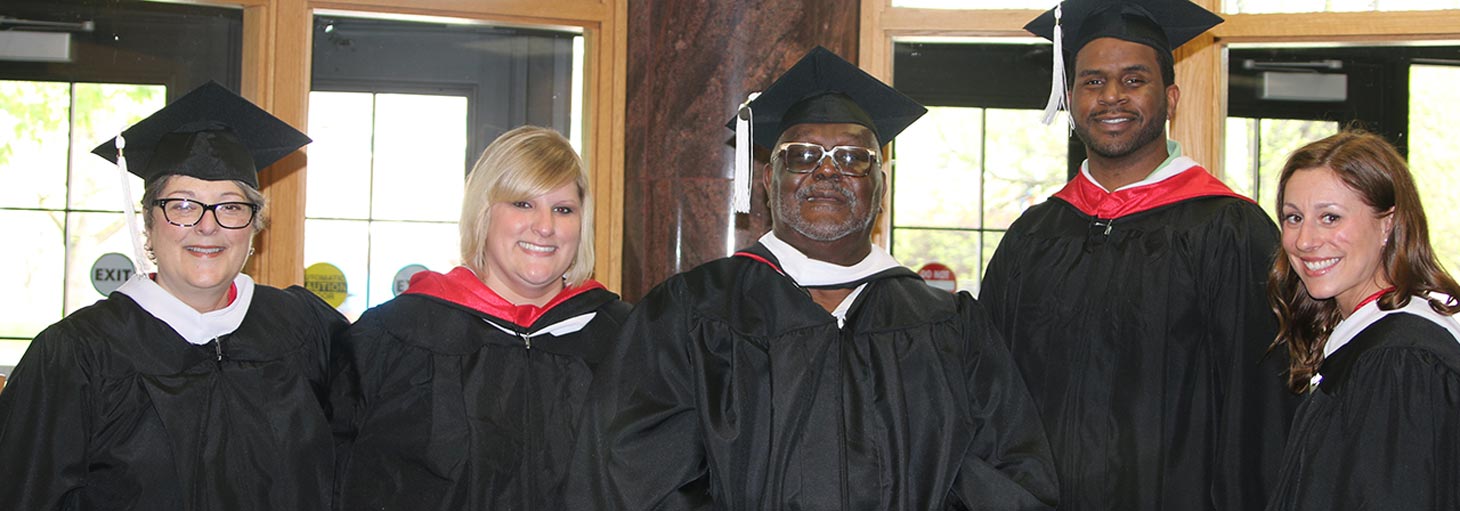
(744, 154)
(142, 264)
(1058, 94)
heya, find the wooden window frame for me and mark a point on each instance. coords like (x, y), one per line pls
(1200, 65)
(277, 37)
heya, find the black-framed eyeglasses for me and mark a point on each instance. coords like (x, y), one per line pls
(804, 158)
(188, 212)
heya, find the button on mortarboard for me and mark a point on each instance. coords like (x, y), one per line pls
(211, 134)
(1161, 24)
(823, 88)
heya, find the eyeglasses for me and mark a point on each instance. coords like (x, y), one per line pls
(188, 212)
(804, 158)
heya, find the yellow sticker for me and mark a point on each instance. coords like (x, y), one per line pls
(327, 282)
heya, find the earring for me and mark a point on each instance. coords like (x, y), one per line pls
(250, 250)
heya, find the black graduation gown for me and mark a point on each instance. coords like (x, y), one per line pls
(437, 410)
(1144, 342)
(1382, 430)
(110, 409)
(731, 389)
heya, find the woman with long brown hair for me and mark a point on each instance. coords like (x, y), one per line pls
(1366, 313)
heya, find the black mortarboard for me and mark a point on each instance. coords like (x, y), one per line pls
(821, 88)
(211, 134)
(1161, 24)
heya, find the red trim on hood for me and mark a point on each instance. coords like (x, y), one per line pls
(757, 257)
(462, 287)
(1191, 183)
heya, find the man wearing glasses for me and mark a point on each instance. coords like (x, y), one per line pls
(810, 370)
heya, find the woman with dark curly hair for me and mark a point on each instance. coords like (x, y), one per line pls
(1367, 315)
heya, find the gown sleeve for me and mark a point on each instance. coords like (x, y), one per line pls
(1009, 465)
(368, 360)
(640, 437)
(44, 423)
(1255, 406)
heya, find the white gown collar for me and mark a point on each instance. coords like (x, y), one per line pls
(808, 272)
(197, 328)
(1370, 313)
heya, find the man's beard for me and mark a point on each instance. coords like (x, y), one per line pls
(789, 213)
(1149, 132)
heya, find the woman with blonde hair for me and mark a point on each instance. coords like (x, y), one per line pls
(1367, 315)
(463, 393)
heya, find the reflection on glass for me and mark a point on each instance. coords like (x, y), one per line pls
(1270, 6)
(420, 157)
(976, 4)
(1273, 140)
(340, 156)
(36, 261)
(1434, 157)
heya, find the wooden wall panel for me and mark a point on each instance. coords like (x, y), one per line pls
(683, 84)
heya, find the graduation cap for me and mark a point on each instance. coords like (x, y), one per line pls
(210, 134)
(821, 88)
(1161, 24)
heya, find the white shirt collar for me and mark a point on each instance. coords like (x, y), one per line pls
(1175, 164)
(197, 328)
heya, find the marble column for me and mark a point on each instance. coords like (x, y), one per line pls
(690, 63)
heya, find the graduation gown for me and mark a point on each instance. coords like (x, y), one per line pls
(1139, 321)
(110, 409)
(1381, 431)
(449, 397)
(731, 389)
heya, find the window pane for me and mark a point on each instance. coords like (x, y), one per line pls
(393, 245)
(345, 244)
(420, 157)
(1241, 139)
(965, 252)
(36, 268)
(340, 156)
(102, 111)
(1025, 163)
(1434, 157)
(936, 175)
(91, 235)
(1267, 6)
(1275, 139)
(33, 157)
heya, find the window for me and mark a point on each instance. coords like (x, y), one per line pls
(1258, 148)
(968, 168)
(61, 205)
(1434, 157)
(962, 176)
(395, 135)
(385, 182)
